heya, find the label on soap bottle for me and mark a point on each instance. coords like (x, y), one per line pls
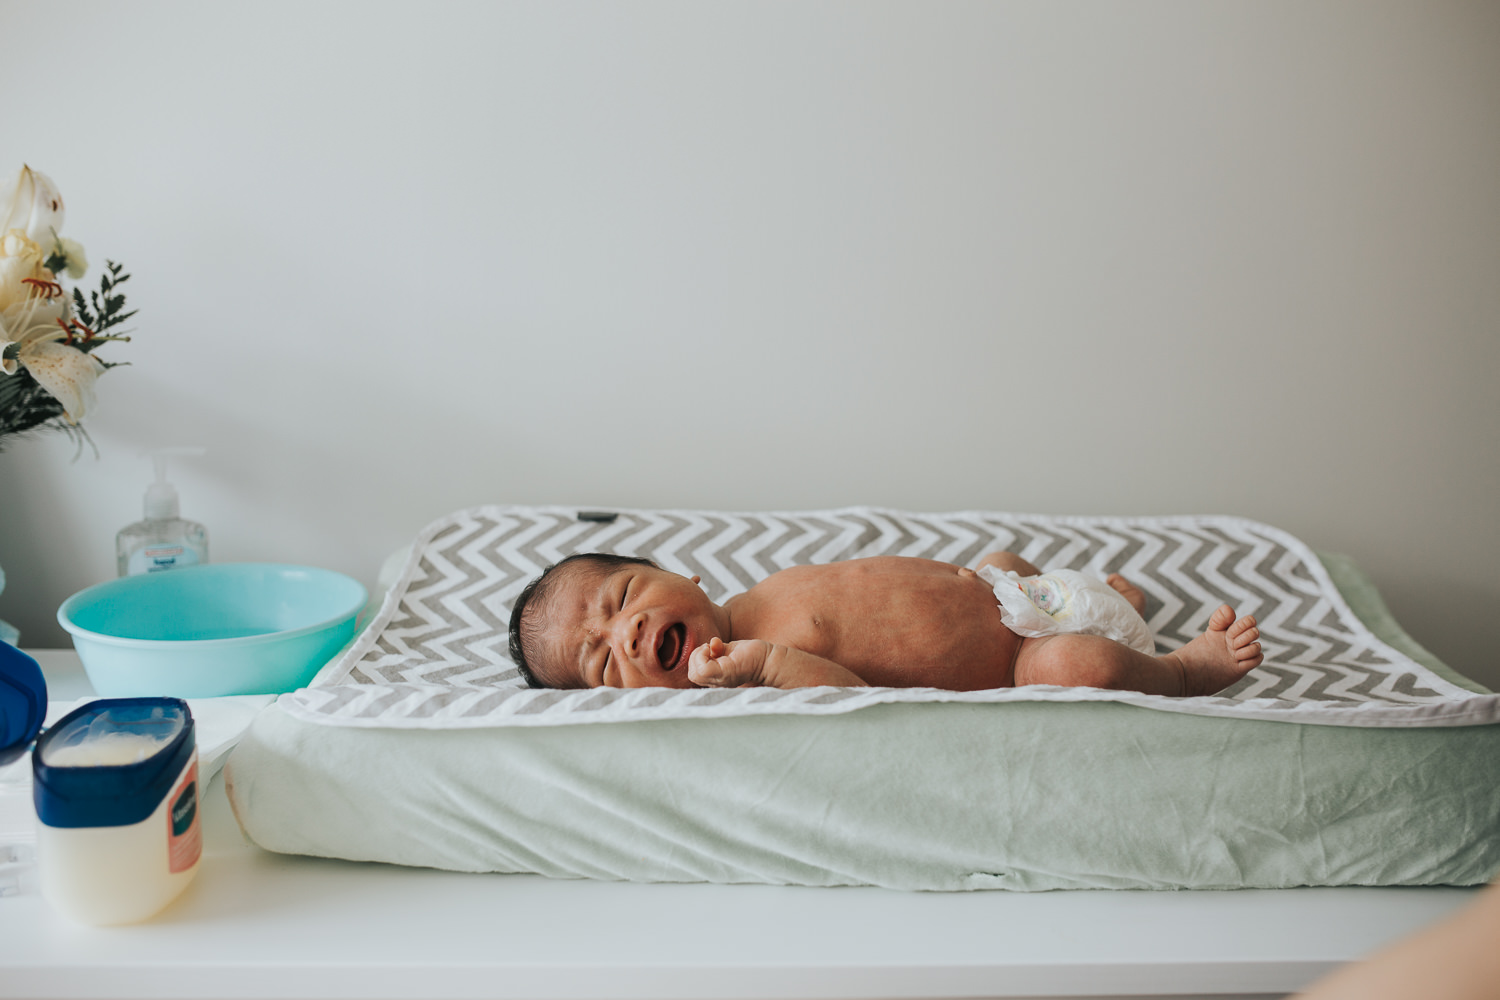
(155, 558)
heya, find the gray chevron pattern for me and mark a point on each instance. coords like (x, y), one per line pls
(437, 648)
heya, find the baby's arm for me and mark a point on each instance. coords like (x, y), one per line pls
(757, 663)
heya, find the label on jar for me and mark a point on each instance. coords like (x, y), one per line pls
(184, 834)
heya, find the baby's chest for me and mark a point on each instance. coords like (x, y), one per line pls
(907, 630)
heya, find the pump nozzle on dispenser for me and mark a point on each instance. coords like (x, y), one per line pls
(161, 496)
(163, 540)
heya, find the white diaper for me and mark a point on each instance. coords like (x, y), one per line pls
(1066, 601)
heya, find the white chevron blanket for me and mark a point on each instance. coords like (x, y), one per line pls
(434, 656)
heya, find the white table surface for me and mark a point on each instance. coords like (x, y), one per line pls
(256, 924)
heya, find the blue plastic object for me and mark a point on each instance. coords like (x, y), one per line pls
(23, 702)
(207, 631)
(111, 794)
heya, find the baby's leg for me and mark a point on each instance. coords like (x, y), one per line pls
(1009, 562)
(1209, 664)
(1135, 595)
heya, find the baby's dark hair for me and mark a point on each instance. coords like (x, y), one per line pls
(528, 616)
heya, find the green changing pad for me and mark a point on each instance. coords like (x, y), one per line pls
(940, 796)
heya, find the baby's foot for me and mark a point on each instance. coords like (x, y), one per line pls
(1220, 656)
(1135, 595)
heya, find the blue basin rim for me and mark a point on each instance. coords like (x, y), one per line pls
(71, 604)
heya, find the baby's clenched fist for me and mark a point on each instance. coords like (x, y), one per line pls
(736, 664)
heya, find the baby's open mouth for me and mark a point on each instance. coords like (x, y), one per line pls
(670, 650)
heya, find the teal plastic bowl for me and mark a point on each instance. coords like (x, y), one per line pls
(206, 631)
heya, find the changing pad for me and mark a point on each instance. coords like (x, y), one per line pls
(420, 747)
(434, 656)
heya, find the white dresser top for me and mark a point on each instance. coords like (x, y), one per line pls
(256, 924)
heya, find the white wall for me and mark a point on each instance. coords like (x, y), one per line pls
(393, 259)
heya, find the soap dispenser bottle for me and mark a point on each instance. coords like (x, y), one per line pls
(163, 540)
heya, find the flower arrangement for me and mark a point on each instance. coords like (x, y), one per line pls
(47, 337)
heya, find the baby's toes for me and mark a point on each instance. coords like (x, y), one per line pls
(1247, 648)
(1244, 642)
(1222, 618)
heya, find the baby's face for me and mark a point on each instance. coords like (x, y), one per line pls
(630, 626)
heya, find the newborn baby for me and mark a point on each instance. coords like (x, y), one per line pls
(891, 621)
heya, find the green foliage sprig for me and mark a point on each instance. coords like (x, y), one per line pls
(108, 306)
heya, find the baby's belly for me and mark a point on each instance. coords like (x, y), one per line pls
(946, 637)
(985, 662)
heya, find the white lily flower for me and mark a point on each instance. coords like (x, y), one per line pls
(36, 320)
(30, 202)
(67, 373)
(22, 272)
(35, 328)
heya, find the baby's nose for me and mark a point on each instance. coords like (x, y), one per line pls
(632, 633)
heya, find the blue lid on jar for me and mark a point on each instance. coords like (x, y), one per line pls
(110, 762)
(23, 702)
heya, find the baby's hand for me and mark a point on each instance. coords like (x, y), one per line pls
(740, 663)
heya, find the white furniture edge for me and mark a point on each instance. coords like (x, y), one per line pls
(257, 924)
